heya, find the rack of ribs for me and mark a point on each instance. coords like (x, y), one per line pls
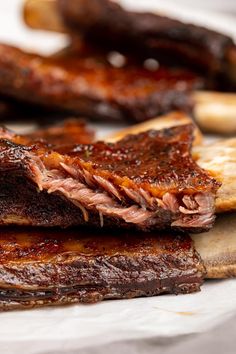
(146, 181)
(149, 34)
(58, 267)
(85, 83)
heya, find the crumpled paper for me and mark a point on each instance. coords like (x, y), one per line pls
(49, 330)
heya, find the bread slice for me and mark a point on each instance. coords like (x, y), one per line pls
(218, 247)
(219, 159)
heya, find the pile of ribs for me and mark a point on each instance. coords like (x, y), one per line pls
(151, 35)
(82, 81)
(134, 68)
(146, 181)
(87, 221)
(83, 220)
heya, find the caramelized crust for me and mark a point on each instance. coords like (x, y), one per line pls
(56, 267)
(62, 136)
(87, 84)
(146, 181)
(159, 158)
(70, 132)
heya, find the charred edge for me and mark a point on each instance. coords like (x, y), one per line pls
(83, 292)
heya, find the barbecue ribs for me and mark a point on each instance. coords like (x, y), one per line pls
(65, 134)
(107, 23)
(145, 181)
(85, 83)
(64, 267)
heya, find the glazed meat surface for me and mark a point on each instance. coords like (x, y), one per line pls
(145, 181)
(53, 267)
(87, 84)
(63, 136)
(70, 132)
(106, 22)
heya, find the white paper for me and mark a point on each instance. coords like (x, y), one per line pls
(82, 326)
(85, 326)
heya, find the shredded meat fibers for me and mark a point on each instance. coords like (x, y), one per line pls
(148, 180)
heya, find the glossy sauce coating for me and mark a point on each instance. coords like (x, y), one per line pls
(61, 267)
(161, 159)
(106, 184)
(87, 84)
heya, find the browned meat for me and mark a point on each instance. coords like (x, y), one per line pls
(106, 22)
(40, 268)
(70, 132)
(88, 85)
(63, 136)
(147, 181)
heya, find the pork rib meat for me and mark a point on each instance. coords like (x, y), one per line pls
(58, 267)
(147, 181)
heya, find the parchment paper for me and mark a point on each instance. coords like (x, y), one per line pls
(77, 327)
(85, 326)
